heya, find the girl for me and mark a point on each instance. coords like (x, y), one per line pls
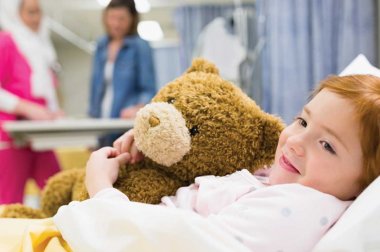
(323, 161)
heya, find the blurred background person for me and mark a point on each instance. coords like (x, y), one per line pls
(123, 77)
(27, 92)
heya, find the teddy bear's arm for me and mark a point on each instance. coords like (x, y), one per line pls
(60, 189)
(147, 185)
(57, 192)
(21, 211)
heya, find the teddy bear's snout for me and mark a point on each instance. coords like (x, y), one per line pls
(154, 121)
(161, 133)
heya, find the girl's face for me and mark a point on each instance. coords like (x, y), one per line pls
(321, 148)
(31, 14)
(117, 21)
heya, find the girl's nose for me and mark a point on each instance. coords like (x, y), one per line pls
(296, 145)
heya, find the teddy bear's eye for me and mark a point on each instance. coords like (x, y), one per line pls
(171, 100)
(193, 131)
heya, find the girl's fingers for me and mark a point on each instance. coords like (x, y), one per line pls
(136, 155)
(124, 143)
(123, 158)
(127, 141)
(107, 152)
(117, 144)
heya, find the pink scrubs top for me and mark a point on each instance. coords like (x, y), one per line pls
(19, 164)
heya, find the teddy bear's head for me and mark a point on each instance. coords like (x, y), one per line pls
(202, 124)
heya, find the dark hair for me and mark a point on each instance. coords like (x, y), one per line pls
(130, 6)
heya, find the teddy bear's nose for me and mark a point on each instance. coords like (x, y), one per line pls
(154, 121)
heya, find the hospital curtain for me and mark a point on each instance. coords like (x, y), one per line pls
(190, 21)
(307, 40)
(304, 41)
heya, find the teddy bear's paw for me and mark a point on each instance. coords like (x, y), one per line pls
(21, 211)
(60, 189)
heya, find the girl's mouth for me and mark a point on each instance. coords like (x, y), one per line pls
(285, 163)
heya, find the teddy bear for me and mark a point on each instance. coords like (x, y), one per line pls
(198, 124)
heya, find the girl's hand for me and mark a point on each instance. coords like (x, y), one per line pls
(126, 144)
(102, 169)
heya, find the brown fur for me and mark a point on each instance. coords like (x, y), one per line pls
(234, 133)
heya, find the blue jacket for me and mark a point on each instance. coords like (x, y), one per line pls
(133, 76)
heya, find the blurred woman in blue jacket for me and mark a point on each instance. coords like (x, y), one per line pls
(123, 78)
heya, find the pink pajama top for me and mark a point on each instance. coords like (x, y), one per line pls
(15, 74)
(231, 213)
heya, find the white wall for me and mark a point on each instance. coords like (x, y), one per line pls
(74, 78)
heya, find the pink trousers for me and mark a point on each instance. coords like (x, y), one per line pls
(17, 165)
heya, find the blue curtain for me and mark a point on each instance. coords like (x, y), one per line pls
(304, 42)
(190, 21)
(307, 40)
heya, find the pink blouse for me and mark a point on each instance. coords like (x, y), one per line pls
(15, 83)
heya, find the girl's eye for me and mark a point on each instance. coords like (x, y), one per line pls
(171, 100)
(302, 122)
(328, 147)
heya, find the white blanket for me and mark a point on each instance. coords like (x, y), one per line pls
(231, 213)
(88, 226)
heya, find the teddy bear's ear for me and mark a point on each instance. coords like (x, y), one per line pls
(202, 65)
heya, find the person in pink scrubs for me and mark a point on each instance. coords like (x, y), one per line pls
(27, 92)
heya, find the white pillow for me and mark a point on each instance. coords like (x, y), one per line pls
(358, 228)
(360, 65)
